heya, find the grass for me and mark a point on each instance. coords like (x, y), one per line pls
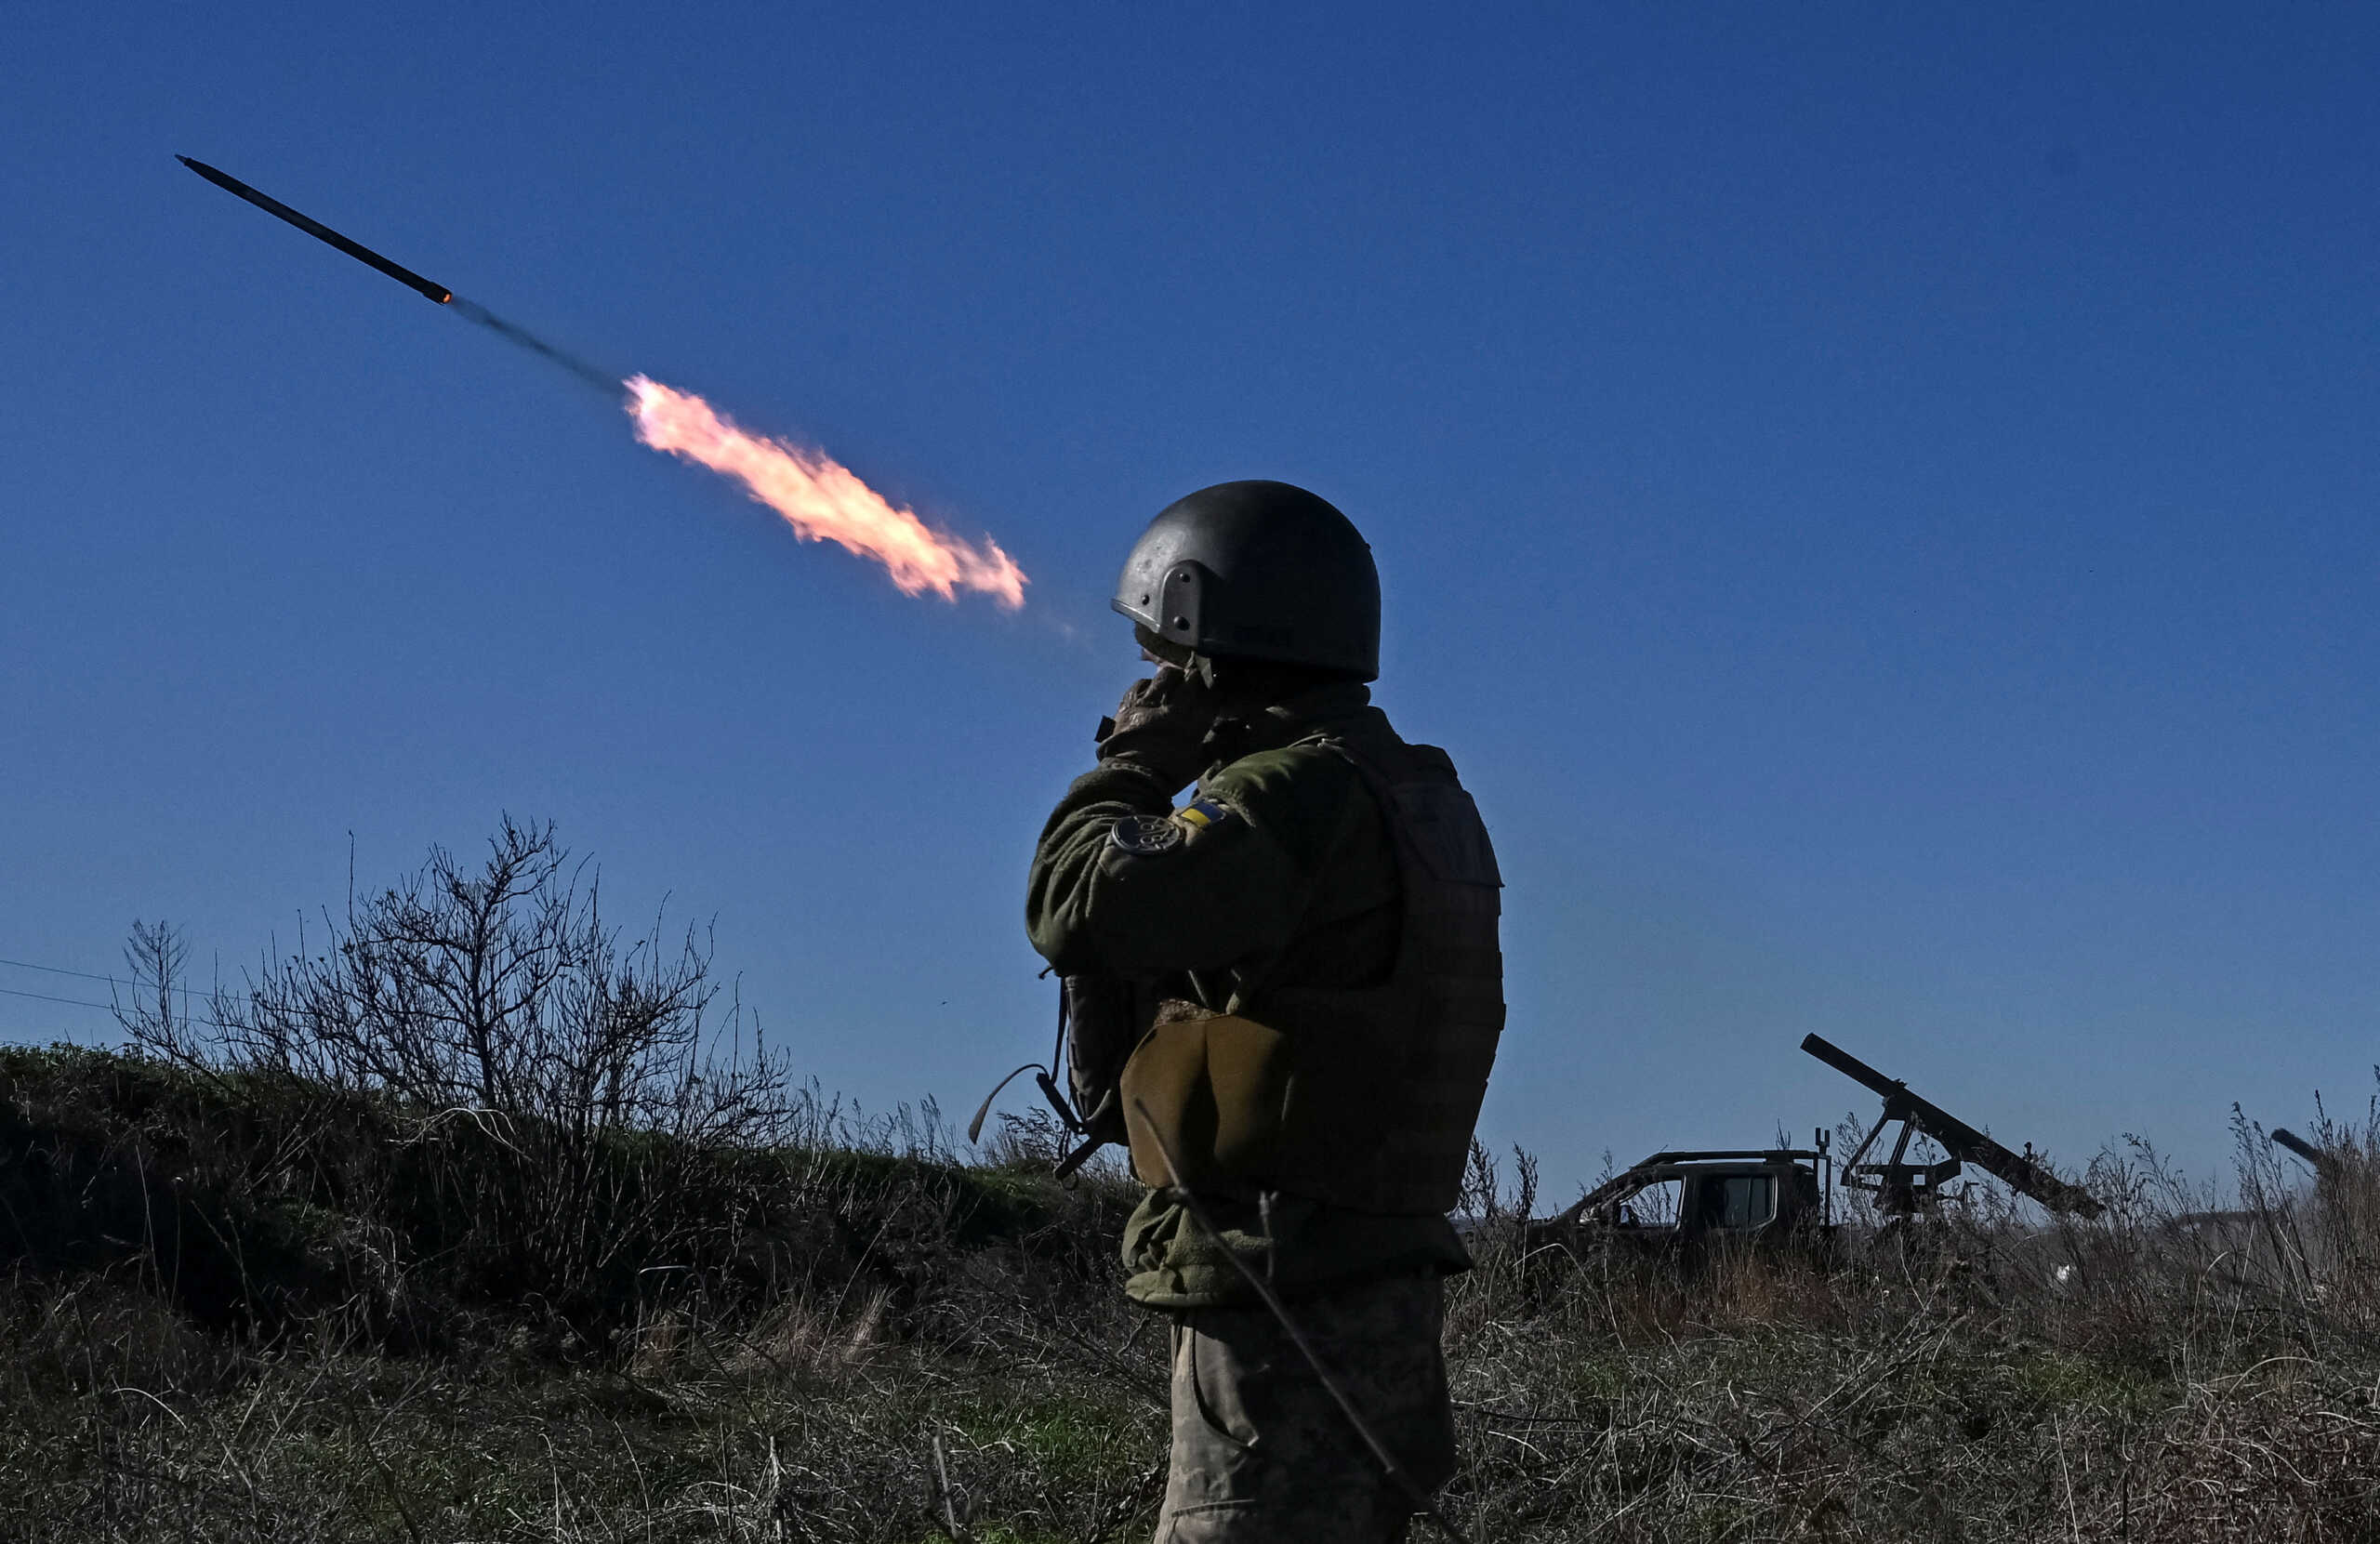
(382, 1249)
(967, 1362)
(199, 1346)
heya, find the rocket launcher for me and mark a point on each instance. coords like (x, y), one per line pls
(1902, 1187)
(2326, 1166)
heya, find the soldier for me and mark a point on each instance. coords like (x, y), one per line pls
(1296, 976)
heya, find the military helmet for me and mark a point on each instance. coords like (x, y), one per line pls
(1256, 571)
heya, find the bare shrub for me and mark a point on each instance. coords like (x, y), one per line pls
(498, 993)
(556, 1087)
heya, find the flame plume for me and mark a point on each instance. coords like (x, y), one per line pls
(821, 499)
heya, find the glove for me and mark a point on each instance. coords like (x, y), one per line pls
(1161, 726)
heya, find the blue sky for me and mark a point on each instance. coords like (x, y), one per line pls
(1880, 503)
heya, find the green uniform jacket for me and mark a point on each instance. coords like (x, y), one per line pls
(1284, 877)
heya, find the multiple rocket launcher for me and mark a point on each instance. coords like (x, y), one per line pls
(1903, 1187)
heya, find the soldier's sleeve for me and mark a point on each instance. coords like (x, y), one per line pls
(1125, 884)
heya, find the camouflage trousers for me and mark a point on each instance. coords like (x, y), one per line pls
(1261, 1450)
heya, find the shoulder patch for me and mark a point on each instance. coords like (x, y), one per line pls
(1143, 835)
(1201, 813)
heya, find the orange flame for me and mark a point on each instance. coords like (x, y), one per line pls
(821, 499)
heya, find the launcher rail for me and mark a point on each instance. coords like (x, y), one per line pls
(1903, 1188)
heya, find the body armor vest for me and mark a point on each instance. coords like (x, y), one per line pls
(1363, 1097)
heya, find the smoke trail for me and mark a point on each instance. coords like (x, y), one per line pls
(472, 311)
(821, 499)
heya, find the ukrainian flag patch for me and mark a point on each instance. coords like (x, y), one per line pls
(1201, 813)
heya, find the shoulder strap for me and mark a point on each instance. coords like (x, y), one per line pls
(1427, 807)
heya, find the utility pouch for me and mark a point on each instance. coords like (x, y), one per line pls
(1102, 1017)
(1213, 1087)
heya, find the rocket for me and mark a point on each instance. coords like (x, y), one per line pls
(821, 499)
(602, 380)
(357, 250)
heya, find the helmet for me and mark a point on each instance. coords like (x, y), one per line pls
(1256, 571)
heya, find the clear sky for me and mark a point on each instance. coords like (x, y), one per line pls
(1880, 502)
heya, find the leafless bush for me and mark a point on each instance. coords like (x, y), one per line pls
(558, 1085)
(501, 993)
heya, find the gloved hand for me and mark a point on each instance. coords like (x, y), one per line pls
(1161, 726)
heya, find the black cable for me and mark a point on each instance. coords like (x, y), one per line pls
(112, 981)
(44, 996)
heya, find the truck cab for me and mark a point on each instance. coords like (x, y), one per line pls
(1694, 1199)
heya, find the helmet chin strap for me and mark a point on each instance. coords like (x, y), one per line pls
(1164, 650)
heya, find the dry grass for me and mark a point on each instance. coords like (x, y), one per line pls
(2158, 1374)
(973, 1315)
(2154, 1376)
(554, 1273)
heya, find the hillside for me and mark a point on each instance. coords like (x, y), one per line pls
(242, 1307)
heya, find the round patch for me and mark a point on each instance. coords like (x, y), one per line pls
(1143, 834)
